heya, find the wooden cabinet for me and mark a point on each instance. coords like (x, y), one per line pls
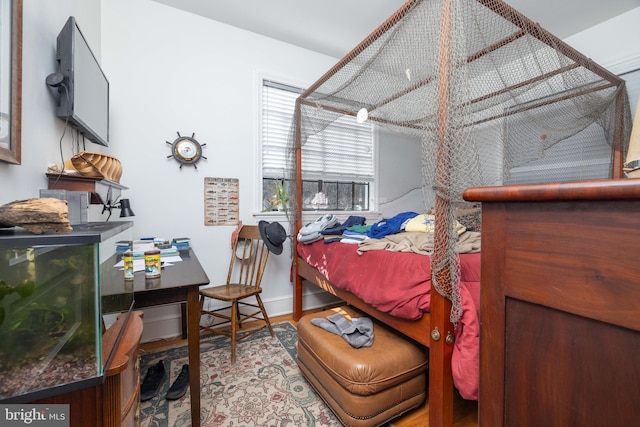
(121, 388)
(115, 402)
(560, 304)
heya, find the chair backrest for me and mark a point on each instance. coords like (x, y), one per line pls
(249, 257)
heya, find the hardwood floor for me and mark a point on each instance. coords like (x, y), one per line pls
(465, 414)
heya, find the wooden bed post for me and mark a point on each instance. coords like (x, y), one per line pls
(618, 135)
(440, 350)
(297, 284)
(440, 373)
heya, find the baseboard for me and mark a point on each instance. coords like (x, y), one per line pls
(164, 323)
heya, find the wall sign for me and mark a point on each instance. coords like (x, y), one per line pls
(221, 201)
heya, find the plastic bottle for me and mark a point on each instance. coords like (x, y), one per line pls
(152, 263)
(128, 264)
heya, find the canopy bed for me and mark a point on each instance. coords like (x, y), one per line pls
(487, 93)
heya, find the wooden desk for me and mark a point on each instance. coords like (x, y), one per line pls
(178, 283)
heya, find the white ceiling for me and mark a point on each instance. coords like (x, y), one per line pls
(334, 27)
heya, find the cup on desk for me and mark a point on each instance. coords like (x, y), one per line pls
(152, 264)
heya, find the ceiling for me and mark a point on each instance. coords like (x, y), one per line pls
(334, 27)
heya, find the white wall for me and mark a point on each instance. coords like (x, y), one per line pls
(172, 71)
(41, 130)
(169, 72)
(399, 173)
(621, 52)
(612, 42)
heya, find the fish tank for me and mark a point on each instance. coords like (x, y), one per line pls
(50, 310)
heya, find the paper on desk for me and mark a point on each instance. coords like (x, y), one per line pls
(142, 246)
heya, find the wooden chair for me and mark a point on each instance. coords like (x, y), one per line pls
(248, 260)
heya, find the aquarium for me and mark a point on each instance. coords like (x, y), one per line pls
(50, 311)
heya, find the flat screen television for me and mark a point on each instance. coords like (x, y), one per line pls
(84, 88)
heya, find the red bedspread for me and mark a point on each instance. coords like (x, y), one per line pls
(399, 283)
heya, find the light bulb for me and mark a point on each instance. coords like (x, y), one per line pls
(362, 116)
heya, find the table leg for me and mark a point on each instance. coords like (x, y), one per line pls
(183, 319)
(193, 338)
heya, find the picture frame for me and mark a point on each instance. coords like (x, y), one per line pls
(11, 81)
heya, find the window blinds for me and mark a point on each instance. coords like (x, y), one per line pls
(343, 151)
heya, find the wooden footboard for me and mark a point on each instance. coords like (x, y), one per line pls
(441, 391)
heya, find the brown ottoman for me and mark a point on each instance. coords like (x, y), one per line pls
(365, 386)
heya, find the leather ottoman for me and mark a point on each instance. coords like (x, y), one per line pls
(365, 386)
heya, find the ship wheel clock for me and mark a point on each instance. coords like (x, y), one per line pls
(186, 150)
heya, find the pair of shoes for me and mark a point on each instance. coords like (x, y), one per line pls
(152, 382)
(180, 385)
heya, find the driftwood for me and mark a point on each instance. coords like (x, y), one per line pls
(37, 215)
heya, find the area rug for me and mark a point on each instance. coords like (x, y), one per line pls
(263, 388)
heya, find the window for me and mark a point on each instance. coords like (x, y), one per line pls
(338, 163)
(632, 77)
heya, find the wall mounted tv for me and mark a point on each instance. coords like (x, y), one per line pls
(83, 86)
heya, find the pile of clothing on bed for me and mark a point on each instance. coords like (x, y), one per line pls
(404, 232)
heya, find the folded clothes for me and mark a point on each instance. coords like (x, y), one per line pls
(353, 220)
(358, 332)
(362, 229)
(350, 241)
(354, 234)
(322, 223)
(352, 237)
(331, 238)
(390, 226)
(309, 238)
(427, 223)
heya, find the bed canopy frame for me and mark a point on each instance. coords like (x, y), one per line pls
(485, 90)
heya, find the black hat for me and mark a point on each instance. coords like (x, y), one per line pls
(273, 235)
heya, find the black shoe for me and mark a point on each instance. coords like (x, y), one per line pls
(180, 385)
(152, 381)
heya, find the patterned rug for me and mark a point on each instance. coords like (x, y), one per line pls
(263, 388)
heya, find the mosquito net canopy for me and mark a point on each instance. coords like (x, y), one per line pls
(485, 91)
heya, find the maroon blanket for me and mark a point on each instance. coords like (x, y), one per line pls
(399, 283)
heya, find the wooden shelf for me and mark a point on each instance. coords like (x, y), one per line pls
(102, 190)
